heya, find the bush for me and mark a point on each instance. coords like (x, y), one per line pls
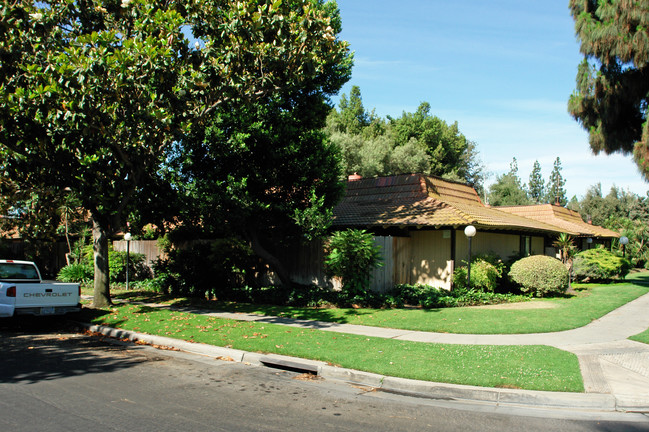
(76, 273)
(540, 275)
(484, 277)
(137, 268)
(600, 264)
(207, 269)
(429, 297)
(352, 255)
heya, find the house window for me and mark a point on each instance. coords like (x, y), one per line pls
(526, 245)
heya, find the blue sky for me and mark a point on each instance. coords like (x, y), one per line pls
(503, 69)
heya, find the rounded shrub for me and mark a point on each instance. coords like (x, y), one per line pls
(540, 275)
(600, 264)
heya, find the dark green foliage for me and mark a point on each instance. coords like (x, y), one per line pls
(351, 256)
(540, 275)
(612, 89)
(95, 94)
(264, 173)
(138, 270)
(600, 264)
(206, 269)
(430, 297)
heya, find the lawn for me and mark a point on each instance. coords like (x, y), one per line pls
(592, 301)
(525, 367)
(641, 337)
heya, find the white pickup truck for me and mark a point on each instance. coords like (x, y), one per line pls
(22, 292)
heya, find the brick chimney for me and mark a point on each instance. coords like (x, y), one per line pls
(354, 177)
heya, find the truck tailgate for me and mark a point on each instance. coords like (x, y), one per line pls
(46, 294)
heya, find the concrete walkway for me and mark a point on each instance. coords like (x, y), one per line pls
(610, 362)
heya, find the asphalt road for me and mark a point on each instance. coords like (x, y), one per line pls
(53, 379)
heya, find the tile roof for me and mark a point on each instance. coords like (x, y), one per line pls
(567, 220)
(415, 200)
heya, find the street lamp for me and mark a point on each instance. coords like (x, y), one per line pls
(469, 232)
(127, 237)
(624, 240)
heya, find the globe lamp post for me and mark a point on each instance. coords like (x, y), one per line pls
(469, 232)
(624, 240)
(127, 237)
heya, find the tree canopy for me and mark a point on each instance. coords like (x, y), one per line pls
(414, 142)
(94, 93)
(621, 211)
(612, 90)
(508, 189)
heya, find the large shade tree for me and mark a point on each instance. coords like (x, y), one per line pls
(93, 93)
(610, 100)
(414, 142)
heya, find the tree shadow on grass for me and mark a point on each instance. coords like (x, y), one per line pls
(641, 278)
(34, 349)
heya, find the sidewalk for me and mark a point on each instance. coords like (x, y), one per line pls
(615, 370)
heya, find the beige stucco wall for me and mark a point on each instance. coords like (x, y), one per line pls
(538, 246)
(503, 245)
(425, 256)
(431, 258)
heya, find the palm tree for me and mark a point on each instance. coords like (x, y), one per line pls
(567, 249)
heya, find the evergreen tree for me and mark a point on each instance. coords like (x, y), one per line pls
(556, 191)
(352, 117)
(508, 189)
(612, 92)
(536, 185)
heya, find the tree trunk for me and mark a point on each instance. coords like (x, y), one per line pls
(275, 264)
(100, 254)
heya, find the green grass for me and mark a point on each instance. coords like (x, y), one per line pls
(641, 337)
(591, 302)
(524, 367)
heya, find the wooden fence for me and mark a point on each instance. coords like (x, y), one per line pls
(148, 248)
(306, 264)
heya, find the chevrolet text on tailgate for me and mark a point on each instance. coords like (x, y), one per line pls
(22, 292)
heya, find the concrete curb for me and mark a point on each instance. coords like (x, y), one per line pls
(431, 390)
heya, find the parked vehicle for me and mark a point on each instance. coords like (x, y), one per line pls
(23, 292)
